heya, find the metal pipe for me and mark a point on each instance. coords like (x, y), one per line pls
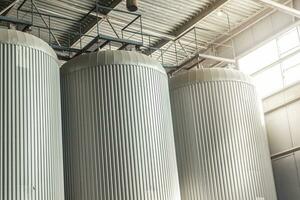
(132, 5)
(9, 7)
(281, 7)
(285, 153)
(20, 6)
(217, 58)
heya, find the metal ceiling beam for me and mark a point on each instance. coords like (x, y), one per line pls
(123, 46)
(250, 22)
(8, 8)
(217, 58)
(188, 64)
(191, 23)
(281, 7)
(200, 16)
(13, 20)
(90, 26)
(62, 48)
(64, 58)
(106, 39)
(86, 47)
(47, 25)
(193, 61)
(104, 44)
(20, 6)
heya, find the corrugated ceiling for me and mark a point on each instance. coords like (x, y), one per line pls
(159, 18)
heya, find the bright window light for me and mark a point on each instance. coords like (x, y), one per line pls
(288, 41)
(259, 58)
(291, 69)
(291, 62)
(269, 81)
(292, 75)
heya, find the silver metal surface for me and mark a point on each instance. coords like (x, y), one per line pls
(220, 138)
(31, 159)
(117, 128)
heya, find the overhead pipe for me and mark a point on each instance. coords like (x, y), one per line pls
(132, 5)
(281, 7)
(8, 7)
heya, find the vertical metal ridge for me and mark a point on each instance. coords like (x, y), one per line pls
(30, 128)
(117, 122)
(221, 146)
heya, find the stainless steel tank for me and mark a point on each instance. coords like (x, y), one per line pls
(117, 128)
(220, 138)
(31, 159)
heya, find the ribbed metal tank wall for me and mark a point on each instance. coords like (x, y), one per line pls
(31, 159)
(220, 138)
(117, 129)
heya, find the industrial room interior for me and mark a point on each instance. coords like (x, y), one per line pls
(149, 100)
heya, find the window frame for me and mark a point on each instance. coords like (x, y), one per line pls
(282, 56)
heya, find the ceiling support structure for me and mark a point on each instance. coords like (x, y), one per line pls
(200, 57)
(217, 58)
(190, 24)
(193, 61)
(107, 40)
(112, 27)
(8, 8)
(21, 5)
(12, 20)
(184, 50)
(124, 42)
(94, 22)
(281, 7)
(123, 46)
(252, 21)
(47, 25)
(187, 64)
(200, 16)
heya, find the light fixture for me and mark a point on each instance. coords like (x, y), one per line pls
(220, 13)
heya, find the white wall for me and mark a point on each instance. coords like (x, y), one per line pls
(282, 116)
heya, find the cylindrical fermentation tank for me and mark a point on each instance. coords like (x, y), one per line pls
(220, 138)
(117, 128)
(31, 159)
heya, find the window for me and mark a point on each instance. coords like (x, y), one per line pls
(291, 62)
(259, 58)
(288, 41)
(291, 69)
(269, 81)
(279, 67)
(292, 75)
